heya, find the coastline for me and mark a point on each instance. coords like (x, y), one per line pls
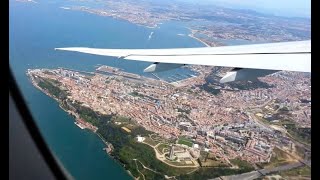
(108, 154)
(74, 115)
(192, 36)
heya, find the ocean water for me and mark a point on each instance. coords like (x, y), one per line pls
(35, 30)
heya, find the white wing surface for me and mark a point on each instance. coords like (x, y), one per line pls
(290, 56)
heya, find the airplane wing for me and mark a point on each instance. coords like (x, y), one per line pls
(289, 56)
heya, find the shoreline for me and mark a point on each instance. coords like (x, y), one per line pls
(108, 154)
(204, 43)
(69, 112)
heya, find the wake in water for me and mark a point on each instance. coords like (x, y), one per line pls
(150, 36)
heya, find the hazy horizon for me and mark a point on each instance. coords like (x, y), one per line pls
(287, 8)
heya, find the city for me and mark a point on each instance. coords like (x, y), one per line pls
(212, 25)
(190, 124)
(106, 118)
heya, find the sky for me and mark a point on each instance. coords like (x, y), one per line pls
(290, 8)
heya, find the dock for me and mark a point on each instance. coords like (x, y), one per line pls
(74, 70)
(116, 71)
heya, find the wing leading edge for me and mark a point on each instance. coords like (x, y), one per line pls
(289, 56)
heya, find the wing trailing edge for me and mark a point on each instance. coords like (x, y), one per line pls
(288, 56)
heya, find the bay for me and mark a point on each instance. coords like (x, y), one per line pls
(35, 30)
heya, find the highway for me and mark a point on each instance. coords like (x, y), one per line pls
(258, 173)
(280, 168)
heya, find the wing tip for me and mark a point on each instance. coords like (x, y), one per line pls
(68, 48)
(60, 49)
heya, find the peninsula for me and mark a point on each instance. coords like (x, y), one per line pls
(158, 130)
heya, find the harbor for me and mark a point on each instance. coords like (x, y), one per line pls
(175, 79)
(108, 70)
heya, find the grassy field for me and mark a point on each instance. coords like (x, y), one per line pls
(161, 147)
(242, 164)
(213, 163)
(303, 171)
(210, 161)
(208, 173)
(147, 174)
(127, 149)
(158, 139)
(178, 163)
(148, 140)
(300, 151)
(146, 155)
(121, 119)
(185, 141)
(302, 135)
(279, 157)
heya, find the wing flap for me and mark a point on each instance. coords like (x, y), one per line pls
(288, 62)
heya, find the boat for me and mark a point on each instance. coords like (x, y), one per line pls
(79, 125)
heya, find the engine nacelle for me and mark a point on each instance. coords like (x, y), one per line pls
(158, 67)
(240, 74)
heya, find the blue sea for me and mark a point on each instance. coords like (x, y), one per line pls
(36, 29)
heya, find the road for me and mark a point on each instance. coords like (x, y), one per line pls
(256, 174)
(135, 160)
(280, 168)
(305, 146)
(246, 176)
